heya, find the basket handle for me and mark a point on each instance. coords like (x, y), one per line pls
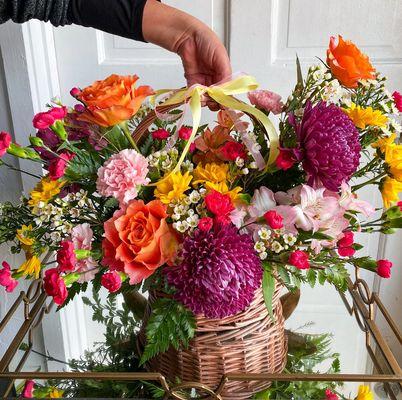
(142, 129)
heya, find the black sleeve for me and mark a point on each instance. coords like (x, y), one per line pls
(21, 11)
(119, 17)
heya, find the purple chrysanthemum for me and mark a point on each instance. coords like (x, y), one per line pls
(329, 144)
(219, 273)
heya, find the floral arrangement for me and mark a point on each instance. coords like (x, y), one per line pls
(208, 214)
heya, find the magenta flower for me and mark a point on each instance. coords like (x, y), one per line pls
(5, 141)
(219, 274)
(329, 144)
(6, 279)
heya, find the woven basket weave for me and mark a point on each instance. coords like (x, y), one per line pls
(248, 342)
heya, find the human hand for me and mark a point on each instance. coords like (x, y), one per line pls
(205, 59)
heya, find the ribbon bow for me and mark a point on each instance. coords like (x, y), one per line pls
(223, 94)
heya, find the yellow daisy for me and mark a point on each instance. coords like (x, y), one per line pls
(390, 189)
(364, 393)
(212, 172)
(363, 117)
(55, 393)
(44, 191)
(224, 189)
(384, 143)
(171, 188)
(31, 267)
(393, 158)
(23, 235)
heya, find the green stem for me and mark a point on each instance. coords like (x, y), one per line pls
(20, 170)
(127, 133)
(373, 180)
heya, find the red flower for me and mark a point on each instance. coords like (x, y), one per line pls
(111, 281)
(398, 100)
(205, 224)
(274, 220)
(220, 205)
(5, 141)
(58, 165)
(6, 280)
(66, 257)
(299, 259)
(232, 150)
(284, 160)
(75, 92)
(329, 395)
(55, 286)
(185, 132)
(384, 268)
(27, 392)
(345, 245)
(58, 112)
(399, 204)
(160, 134)
(45, 120)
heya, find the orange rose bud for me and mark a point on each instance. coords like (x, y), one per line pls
(113, 100)
(348, 63)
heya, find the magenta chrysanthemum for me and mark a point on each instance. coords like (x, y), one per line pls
(330, 147)
(219, 273)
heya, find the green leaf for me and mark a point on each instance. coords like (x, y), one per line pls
(268, 289)
(84, 165)
(395, 223)
(170, 324)
(116, 138)
(300, 82)
(366, 263)
(311, 277)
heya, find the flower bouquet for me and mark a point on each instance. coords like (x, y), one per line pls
(210, 220)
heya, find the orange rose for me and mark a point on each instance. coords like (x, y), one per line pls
(348, 63)
(113, 100)
(138, 240)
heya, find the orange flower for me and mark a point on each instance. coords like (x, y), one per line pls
(348, 63)
(138, 240)
(113, 100)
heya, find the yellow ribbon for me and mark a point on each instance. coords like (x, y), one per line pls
(222, 94)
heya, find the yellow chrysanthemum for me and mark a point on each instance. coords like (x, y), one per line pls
(55, 393)
(44, 191)
(364, 393)
(212, 172)
(363, 117)
(224, 189)
(390, 189)
(23, 235)
(171, 189)
(393, 158)
(31, 267)
(384, 143)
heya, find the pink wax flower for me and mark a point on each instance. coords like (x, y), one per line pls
(6, 280)
(27, 392)
(230, 151)
(345, 245)
(384, 268)
(5, 141)
(274, 220)
(82, 236)
(299, 259)
(55, 286)
(111, 281)
(185, 132)
(205, 224)
(398, 100)
(58, 165)
(284, 160)
(266, 100)
(160, 134)
(66, 258)
(122, 176)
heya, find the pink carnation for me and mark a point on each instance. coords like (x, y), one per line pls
(5, 141)
(160, 134)
(6, 280)
(398, 100)
(299, 259)
(266, 100)
(111, 281)
(122, 175)
(82, 236)
(66, 258)
(185, 132)
(27, 392)
(55, 286)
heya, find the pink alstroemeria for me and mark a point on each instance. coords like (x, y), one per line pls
(263, 200)
(349, 202)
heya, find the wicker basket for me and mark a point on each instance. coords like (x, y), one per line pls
(248, 342)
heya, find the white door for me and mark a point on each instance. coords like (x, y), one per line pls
(263, 37)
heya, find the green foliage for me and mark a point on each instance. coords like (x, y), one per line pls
(170, 324)
(116, 138)
(305, 359)
(73, 290)
(84, 165)
(268, 289)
